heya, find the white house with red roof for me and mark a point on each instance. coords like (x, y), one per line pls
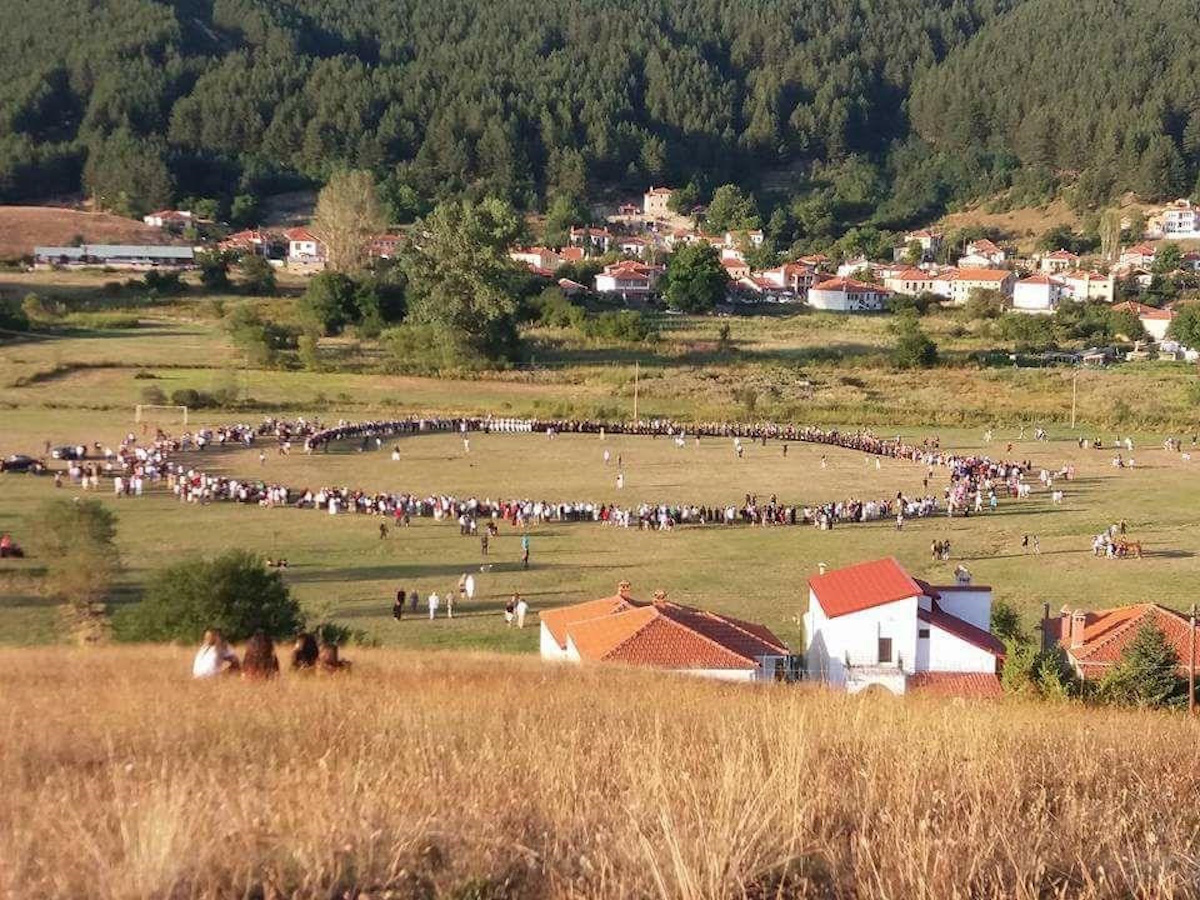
(592, 240)
(873, 624)
(304, 247)
(661, 634)
(168, 218)
(847, 295)
(1139, 256)
(633, 246)
(1155, 321)
(963, 281)
(1058, 261)
(1038, 293)
(794, 277)
(629, 278)
(982, 254)
(1086, 286)
(929, 239)
(1094, 641)
(261, 243)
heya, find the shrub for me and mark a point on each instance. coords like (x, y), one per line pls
(163, 283)
(188, 397)
(12, 317)
(913, 348)
(155, 396)
(257, 275)
(626, 325)
(1146, 674)
(234, 592)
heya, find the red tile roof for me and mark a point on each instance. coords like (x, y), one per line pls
(1106, 634)
(963, 630)
(300, 234)
(661, 634)
(1066, 255)
(983, 246)
(849, 284)
(966, 685)
(559, 620)
(1142, 311)
(862, 586)
(979, 274)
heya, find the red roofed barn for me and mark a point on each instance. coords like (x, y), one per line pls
(663, 635)
(873, 624)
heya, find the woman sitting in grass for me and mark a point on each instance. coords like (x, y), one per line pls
(305, 652)
(259, 662)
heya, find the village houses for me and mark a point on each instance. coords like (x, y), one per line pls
(663, 635)
(1057, 262)
(304, 247)
(1179, 220)
(629, 279)
(982, 254)
(873, 625)
(964, 281)
(1038, 293)
(1155, 321)
(1094, 641)
(847, 295)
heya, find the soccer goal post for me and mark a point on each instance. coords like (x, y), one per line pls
(145, 411)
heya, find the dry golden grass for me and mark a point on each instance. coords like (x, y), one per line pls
(461, 776)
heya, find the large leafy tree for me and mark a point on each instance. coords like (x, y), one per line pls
(695, 280)
(348, 215)
(461, 280)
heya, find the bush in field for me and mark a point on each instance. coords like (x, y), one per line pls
(234, 592)
(261, 339)
(76, 539)
(257, 276)
(913, 348)
(626, 325)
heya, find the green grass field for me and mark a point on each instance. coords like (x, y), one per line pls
(79, 385)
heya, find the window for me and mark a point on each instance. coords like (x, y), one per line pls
(922, 632)
(885, 649)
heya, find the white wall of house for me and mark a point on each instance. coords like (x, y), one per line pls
(1036, 297)
(845, 301)
(548, 646)
(971, 604)
(855, 638)
(949, 653)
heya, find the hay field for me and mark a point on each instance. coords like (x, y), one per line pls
(470, 776)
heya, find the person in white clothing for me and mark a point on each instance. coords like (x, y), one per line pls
(214, 657)
(522, 609)
(470, 586)
(620, 480)
(434, 603)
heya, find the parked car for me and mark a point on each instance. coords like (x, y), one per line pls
(19, 462)
(70, 451)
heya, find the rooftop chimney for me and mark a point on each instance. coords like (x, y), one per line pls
(1078, 621)
(624, 590)
(1046, 638)
(1064, 624)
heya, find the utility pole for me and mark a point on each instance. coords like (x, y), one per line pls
(636, 372)
(1192, 664)
(1074, 397)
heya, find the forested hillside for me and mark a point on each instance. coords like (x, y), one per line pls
(1107, 89)
(139, 103)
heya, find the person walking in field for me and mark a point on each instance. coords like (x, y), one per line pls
(398, 606)
(434, 602)
(450, 598)
(525, 551)
(607, 456)
(522, 611)
(469, 586)
(510, 610)
(483, 544)
(620, 481)
(414, 602)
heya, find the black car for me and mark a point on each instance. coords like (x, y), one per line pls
(69, 451)
(19, 462)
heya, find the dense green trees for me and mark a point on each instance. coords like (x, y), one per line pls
(461, 282)
(695, 279)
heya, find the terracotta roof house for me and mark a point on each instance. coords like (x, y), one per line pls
(872, 625)
(1058, 261)
(1095, 640)
(847, 295)
(1155, 321)
(663, 635)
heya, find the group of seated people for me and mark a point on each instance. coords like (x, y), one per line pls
(259, 660)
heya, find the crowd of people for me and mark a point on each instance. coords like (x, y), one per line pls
(976, 482)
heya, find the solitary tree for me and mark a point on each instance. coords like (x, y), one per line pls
(696, 280)
(1146, 675)
(1110, 233)
(77, 541)
(348, 215)
(460, 277)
